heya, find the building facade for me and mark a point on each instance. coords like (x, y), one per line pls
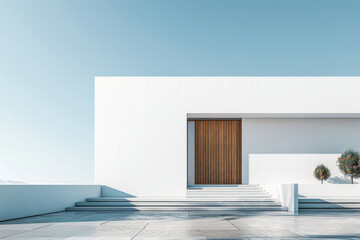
(154, 136)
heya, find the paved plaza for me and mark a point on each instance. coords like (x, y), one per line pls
(183, 225)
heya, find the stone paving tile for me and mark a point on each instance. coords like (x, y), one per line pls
(68, 231)
(182, 225)
(8, 233)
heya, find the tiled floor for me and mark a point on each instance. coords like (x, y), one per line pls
(183, 225)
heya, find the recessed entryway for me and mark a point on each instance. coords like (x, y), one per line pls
(214, 152)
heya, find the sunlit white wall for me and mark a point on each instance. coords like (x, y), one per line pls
(141, 123)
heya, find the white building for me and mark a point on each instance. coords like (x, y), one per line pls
(153, 136)
(159, 140)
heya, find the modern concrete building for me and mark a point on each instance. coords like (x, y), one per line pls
(210, 137)
(213, 143)
(156, 135)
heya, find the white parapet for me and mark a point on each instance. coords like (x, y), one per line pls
(18, 201)
(329, 190)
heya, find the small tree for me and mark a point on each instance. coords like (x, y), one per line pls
(322, 173)
(349, 164)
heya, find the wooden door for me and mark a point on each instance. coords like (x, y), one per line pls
(217, 151)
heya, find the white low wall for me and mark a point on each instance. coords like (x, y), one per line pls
(293, 168)
(288, 150)
(329, 190)
(18, 201)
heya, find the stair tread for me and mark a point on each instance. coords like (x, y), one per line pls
(224, 190)
(328, 200)
(329, 210)
(199, 197)
(229, 196)
(178, 203)
(222, 208)
(331, 197)
(330, 205)
(189, 199)
(223, 185)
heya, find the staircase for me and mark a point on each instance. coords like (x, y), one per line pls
(199, 198)
(329, 204)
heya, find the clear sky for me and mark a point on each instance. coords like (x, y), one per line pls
(51, 50)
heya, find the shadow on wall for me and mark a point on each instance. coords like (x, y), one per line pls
(340, 180)
(112, 192)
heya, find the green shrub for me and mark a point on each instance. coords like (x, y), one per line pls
(322, 173)
(349, 164)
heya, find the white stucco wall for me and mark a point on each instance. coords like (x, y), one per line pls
(288, 150)
(140, 122)
(329, 190)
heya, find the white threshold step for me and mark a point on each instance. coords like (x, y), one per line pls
(224, 188)
(193, 192)
(175, 199)
(221, 190)
(223, 185)
(162, 208)
(186, 203)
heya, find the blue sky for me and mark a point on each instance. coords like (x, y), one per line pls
(50, 52)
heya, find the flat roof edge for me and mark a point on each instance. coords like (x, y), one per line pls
(271, 115)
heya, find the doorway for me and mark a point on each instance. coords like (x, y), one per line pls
(214, 146)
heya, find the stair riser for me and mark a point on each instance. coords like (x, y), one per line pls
(223, 192)
(207, 198)
(320, 205)
(335, 201)
(177, 204)
(185, 200)
(224, 188)
(328, 210)
(227, 195)
(176, 209)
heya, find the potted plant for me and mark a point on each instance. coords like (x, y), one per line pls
(322, 173)
(349, 164)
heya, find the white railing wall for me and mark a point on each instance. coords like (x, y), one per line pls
(18, 201)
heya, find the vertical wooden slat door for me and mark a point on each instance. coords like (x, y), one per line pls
(217, 151)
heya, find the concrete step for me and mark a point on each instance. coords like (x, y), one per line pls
(329, 200)
(166, 208)
(225, 191)
(329, 205)
(178, 199)
(234, 196)
(172, 203)
(312, 210)
(199, 198)
(223, 187)
(221, 191)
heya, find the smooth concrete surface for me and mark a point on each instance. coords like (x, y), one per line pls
(141, 124)
(330, 190)
(27, 200)
(183, 225)
(288, 150)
